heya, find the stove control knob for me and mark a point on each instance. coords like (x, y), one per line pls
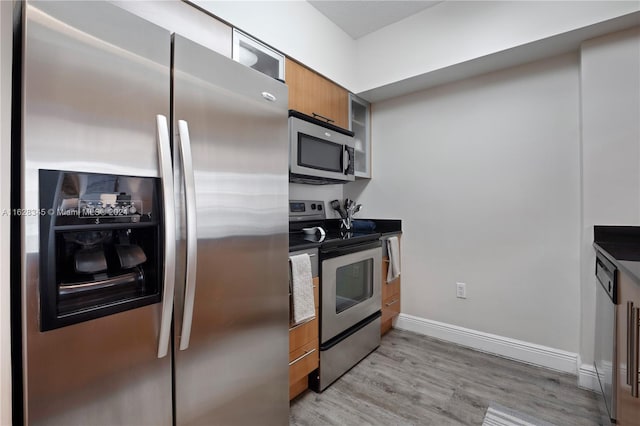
(313, 206)
(320, 207)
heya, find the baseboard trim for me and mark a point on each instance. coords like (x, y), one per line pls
(587, 378)
(530, 353)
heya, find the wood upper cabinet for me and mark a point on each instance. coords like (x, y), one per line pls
(628, 321)
(314, 95)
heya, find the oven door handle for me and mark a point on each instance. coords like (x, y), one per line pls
(340, 251)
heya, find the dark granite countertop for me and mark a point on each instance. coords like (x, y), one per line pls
(299, 242)
(388, 226)
(382, 226)
(621, 245)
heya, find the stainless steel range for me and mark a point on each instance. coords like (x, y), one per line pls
(350, 288)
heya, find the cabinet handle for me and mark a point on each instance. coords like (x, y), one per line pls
(304, 355)
(629, 342)
(327, 119)
(392, 303)
(636, 349)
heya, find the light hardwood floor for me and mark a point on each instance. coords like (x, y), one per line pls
(416, 380)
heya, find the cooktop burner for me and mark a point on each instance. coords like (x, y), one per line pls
(309, 214)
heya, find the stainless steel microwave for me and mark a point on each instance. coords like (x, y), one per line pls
(319, 153)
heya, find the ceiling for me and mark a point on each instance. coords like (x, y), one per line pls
(361, 17)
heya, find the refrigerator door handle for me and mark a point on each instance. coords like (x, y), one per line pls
(166, 177)
(191, 237)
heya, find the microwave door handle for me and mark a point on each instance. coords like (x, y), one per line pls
(346, 159)
(191, 237)
(166, 178)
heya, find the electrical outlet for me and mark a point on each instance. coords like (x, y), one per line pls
(461, 290)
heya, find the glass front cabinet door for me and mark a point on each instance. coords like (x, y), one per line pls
(254, 54)
(359, 116)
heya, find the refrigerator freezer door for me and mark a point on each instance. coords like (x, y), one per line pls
(94, 79)
(235, 370)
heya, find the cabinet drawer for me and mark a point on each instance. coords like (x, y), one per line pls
(303, 364)
(302, 350)
(302, 334)
(392, 288)
(390, 307)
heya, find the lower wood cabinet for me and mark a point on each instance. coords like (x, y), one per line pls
(302, 362)
(628, 348)
(304, 356)
(390, 297)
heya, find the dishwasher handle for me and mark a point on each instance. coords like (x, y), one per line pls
(606, 274)
(635, 358)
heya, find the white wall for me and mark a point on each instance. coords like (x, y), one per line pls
(454, 32)
(610, 90)
(448, 34)
(485, 174)
(6, 28)
(295, 28)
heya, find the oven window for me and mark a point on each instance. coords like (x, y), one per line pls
(354, 284)
(319, 154)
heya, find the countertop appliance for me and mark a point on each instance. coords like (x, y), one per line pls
(350, 289)
(320, 153)
(605, 335)
(135, 214)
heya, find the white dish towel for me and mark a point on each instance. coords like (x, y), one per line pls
(393, 248)
(303, 306)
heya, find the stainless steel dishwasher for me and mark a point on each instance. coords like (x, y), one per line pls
(605, 335)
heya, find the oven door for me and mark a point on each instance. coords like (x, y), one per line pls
(318, 153)
(351, 287)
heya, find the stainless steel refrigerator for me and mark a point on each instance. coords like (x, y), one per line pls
(153, 261)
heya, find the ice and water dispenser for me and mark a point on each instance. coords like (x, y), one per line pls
(100, 250)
